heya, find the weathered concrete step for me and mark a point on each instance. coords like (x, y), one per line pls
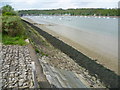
(61, 78)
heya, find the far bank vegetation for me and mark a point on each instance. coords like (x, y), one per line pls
(73, 12)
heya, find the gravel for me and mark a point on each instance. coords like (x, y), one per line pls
(16, 68)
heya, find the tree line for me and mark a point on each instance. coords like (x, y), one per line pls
(73, 12)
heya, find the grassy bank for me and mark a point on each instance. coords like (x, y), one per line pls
(17, 40)
(13, 31)
(0, 37)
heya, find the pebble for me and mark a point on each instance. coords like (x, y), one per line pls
(24, 84)
(16, 74)
(20, 84)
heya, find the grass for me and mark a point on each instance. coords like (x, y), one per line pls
(9, 40)
(42, 53)
(37, 51)
(0, 37)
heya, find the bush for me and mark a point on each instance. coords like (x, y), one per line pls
(9, 14)
(12, 25)
(8, 11)
(37, 51)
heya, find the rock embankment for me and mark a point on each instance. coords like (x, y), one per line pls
(16, 67)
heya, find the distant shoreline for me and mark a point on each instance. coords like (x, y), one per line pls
(76, 15)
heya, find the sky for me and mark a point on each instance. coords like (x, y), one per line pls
(55, 4)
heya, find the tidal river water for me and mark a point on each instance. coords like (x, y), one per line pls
(97, 34)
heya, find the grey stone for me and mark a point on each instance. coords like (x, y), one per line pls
(16, 74)
(19, 73)
(26, 73)
(21, 80)
(13, 79)
(24, 84)
(20, 84)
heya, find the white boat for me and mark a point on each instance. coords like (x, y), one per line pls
(60, 18)
(99, 17)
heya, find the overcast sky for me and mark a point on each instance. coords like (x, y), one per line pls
(55, 4)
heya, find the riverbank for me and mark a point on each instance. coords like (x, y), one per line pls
(93, 68)
(106, 59)
(55, 58)
(101, 56)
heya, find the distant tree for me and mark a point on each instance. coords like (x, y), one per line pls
(11, 22)
(8, 11)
